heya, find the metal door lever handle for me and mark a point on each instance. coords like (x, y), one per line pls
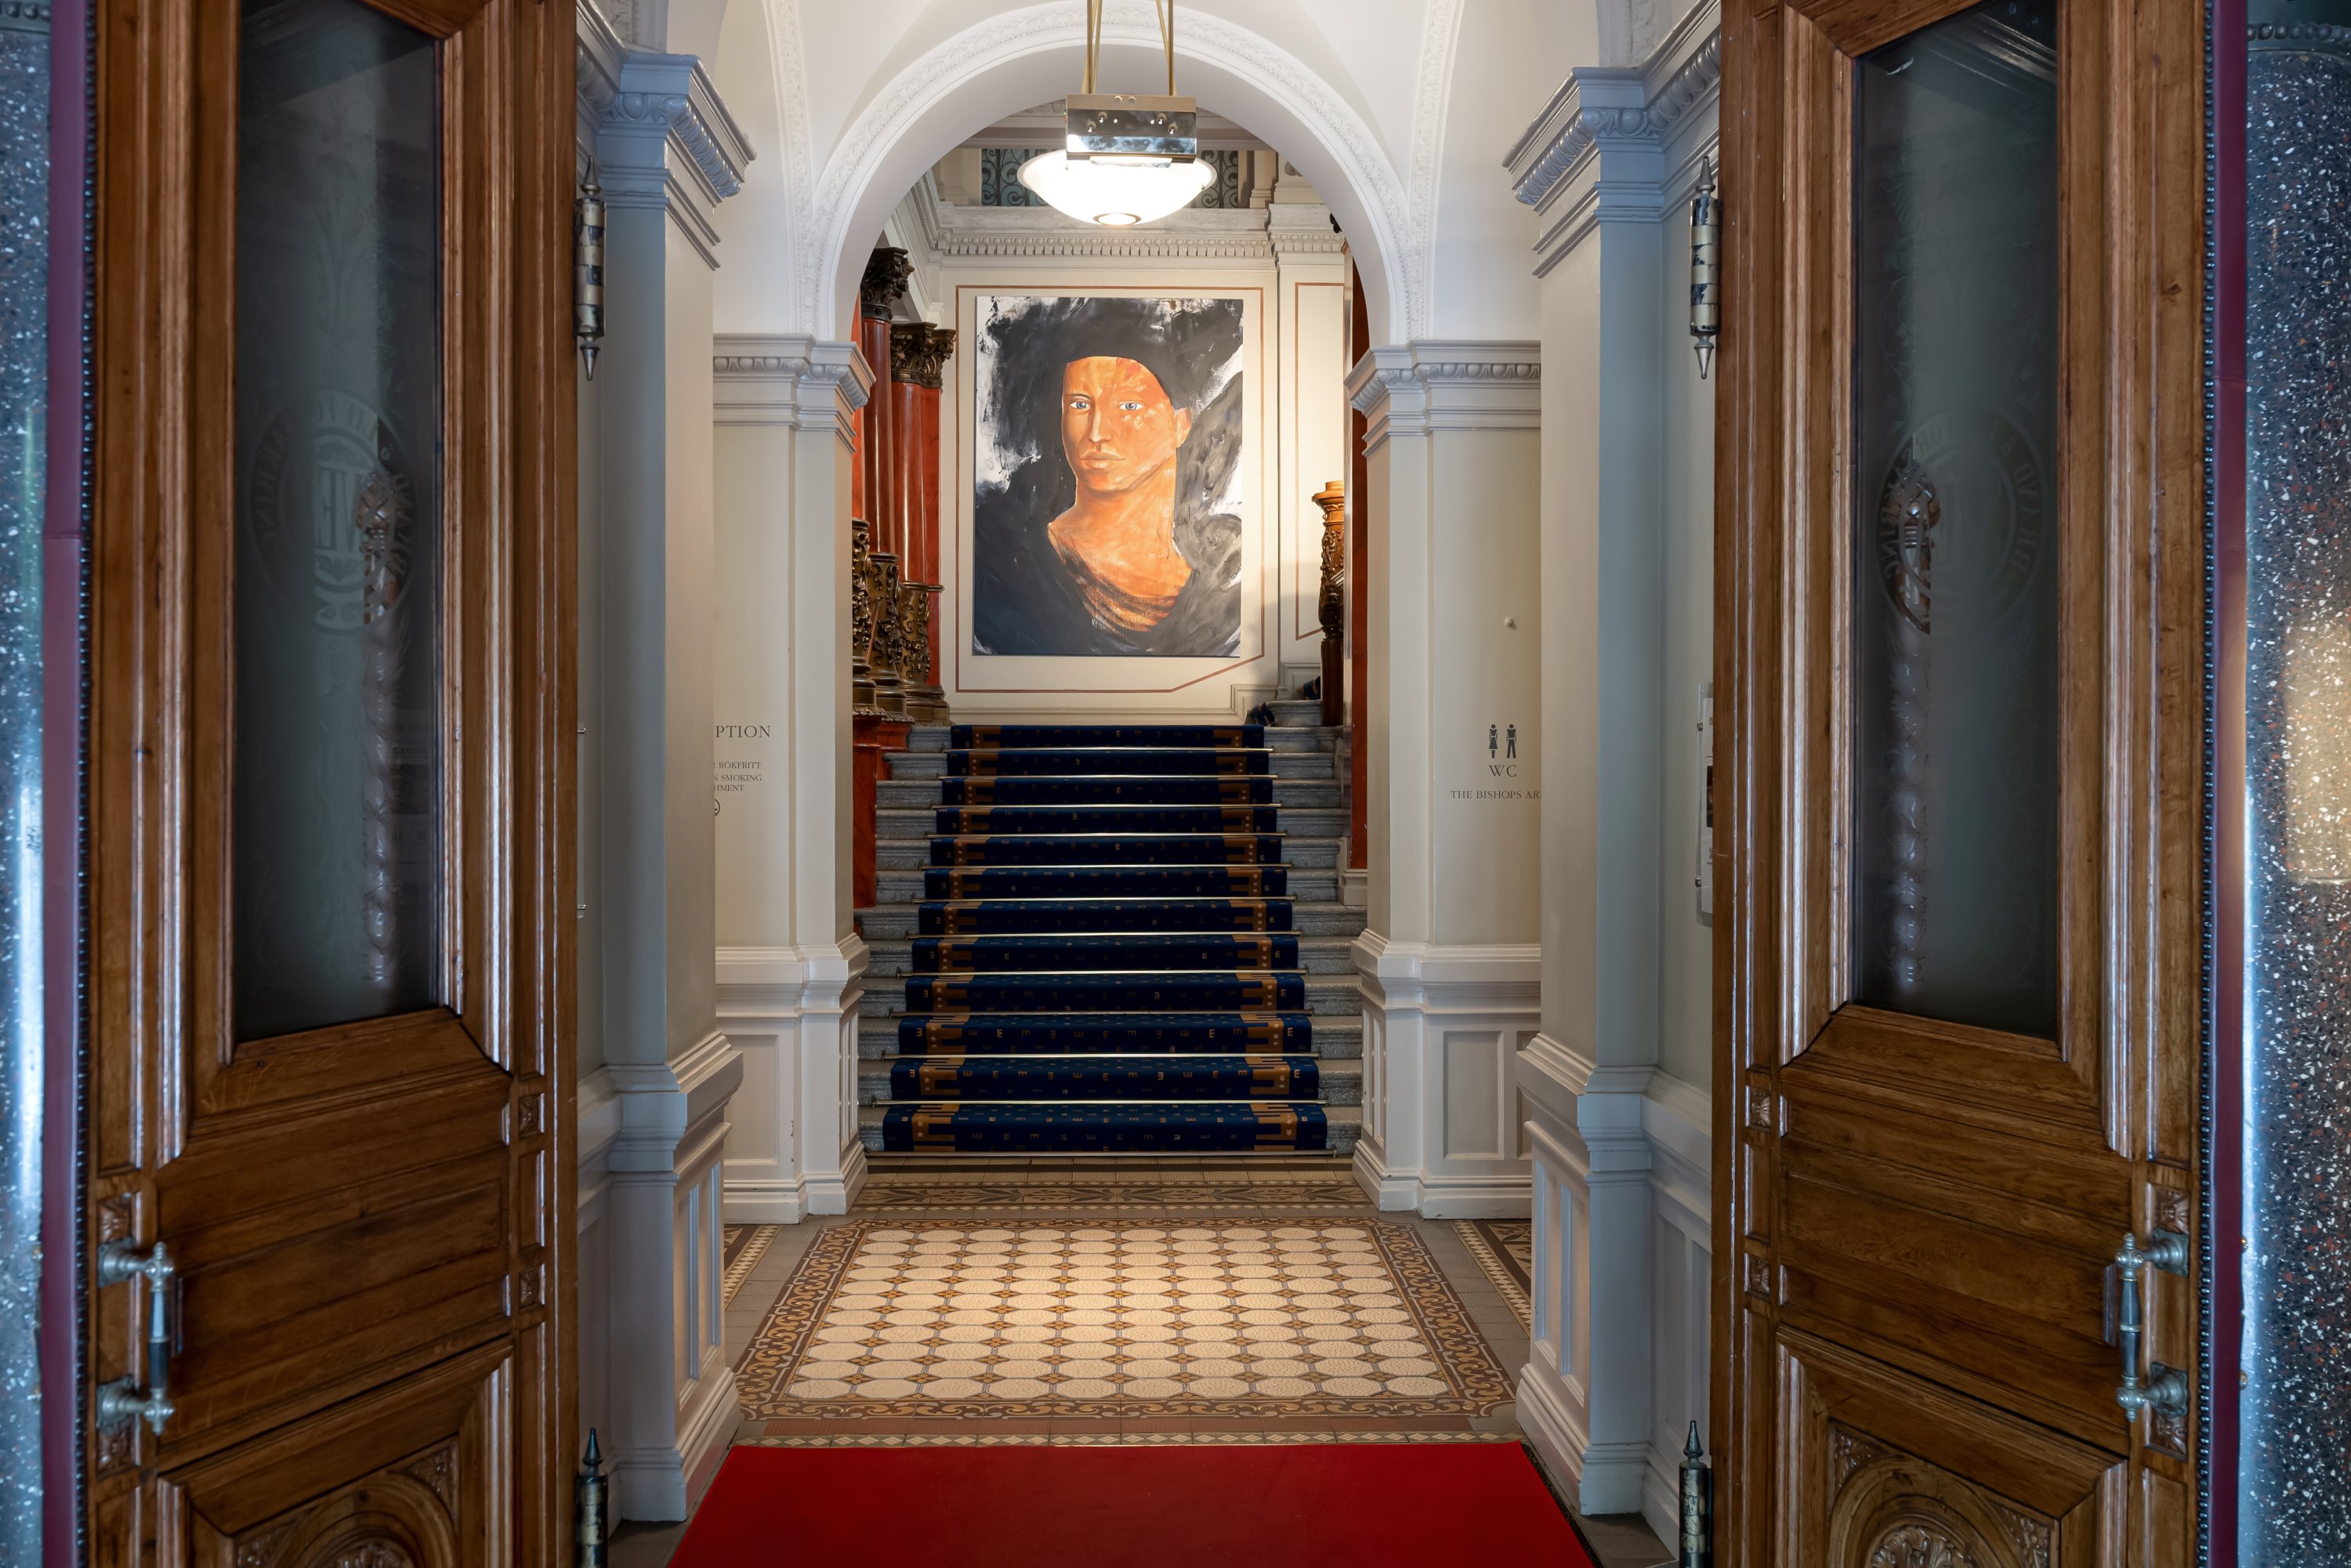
(122, 1401)
(2162, 1389)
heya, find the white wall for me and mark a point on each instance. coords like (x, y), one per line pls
(1618, 1080)
(1448, 958)
(658, 1073)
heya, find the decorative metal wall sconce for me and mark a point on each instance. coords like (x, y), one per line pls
(588, 270)
(861, 617)
(886, 649)
(927, 702)
(1331, 604)
(1705, 274)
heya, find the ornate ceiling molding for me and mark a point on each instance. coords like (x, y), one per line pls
(1432, 94)
(952, 232)
(1399, 233)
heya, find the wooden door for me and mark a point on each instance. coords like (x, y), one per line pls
(328, 781)
(1960, 654)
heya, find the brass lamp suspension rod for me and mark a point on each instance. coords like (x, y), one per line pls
(1163, 9)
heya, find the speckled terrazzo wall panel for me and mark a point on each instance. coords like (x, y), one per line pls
(2295, 1502)
(23, 349)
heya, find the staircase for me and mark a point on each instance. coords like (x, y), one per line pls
(1112, 939)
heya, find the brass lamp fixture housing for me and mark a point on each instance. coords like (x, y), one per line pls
(1126, 159)
(1113, 126)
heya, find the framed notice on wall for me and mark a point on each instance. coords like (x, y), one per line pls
(1111, 529)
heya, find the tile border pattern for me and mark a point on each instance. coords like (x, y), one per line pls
(746, 1258)
(1476, 1383)
(1489, 1263)
(1317, 1194)
(1111, 1439)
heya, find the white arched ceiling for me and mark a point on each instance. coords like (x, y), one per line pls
(1026, 56)
(1376, 101)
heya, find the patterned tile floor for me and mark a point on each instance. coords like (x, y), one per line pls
(1217, 1317)
(1121, 1199)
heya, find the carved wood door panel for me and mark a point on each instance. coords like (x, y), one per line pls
(329, 747)
(1961, 661)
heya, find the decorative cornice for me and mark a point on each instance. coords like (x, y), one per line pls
(1205, 233)
(1683, 74)
(787, 379)
(708, 135)
(24, 17)
(1400, 234)
(597, 53)
(671, 95)
(1412, 389)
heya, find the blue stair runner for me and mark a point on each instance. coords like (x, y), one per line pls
(1104, 958)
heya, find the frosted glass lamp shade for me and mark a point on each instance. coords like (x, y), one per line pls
(1117, 193)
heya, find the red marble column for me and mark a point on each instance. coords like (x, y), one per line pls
(918, 356)
(1359, 596)
(874, 734)
(872, 490)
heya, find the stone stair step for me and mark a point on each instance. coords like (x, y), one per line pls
(1346, 1123)
(899, 919)
(1326, 994)
(1286, 762)
(1304, 854)
(1342, 1080)
(1289, 794)
(1316, 956)
(1297, 712)
(897, 823)
(903, 884)
(1336, 1038)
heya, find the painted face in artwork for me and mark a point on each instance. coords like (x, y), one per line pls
(1118, 427)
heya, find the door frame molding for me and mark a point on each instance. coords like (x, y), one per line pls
(2133, 134)
(162, 476)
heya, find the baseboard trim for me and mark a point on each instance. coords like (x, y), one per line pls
(1389, 1194)
(757, 1202)
(1477, 1198)
(1661, 1496)
(1612, 1477)
(709, 1423)
(828, 1193)
(1551, 1426)
(1497, 1196)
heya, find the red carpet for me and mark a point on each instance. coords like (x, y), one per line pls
(1366, 1505)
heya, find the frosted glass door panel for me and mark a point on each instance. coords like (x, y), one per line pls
(338, 795)
(1954, 635)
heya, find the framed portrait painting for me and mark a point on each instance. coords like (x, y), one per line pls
(1114, 504)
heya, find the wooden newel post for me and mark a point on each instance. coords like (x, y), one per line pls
(1332, 608)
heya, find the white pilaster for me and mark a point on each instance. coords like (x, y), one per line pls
(666, 153)
(1619, 1146)
(1449, 955)
(789, 965)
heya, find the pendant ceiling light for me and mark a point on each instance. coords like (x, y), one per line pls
(1127, 160)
